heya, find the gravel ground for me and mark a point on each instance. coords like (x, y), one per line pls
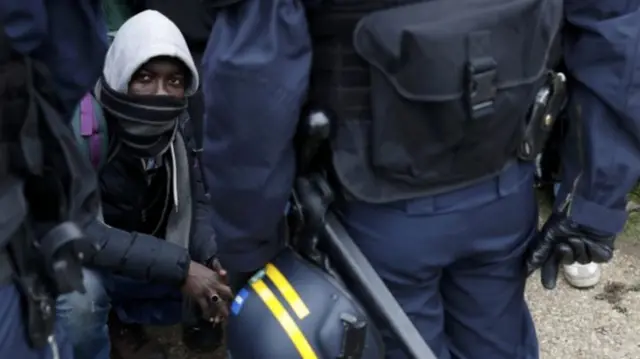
(170, 337)
(600, 323)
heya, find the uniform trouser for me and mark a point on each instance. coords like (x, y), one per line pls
(455, 263)
(13, 340)
(85, 316)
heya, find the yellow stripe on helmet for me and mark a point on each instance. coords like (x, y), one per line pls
(286, 321)
(287, 291)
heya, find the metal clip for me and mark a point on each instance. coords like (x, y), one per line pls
(481, 86)
(548, 105)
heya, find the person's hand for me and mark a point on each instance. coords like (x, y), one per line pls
(562, 241)
(207, 288)
(214, 264)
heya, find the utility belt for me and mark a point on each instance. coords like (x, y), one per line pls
(38, 194)
(432, 96)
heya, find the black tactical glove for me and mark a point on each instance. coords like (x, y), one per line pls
(562, 241)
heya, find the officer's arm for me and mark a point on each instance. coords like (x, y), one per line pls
(252, 112)
(602, 152)
(25, 24)
(137, 255)
(68, 36)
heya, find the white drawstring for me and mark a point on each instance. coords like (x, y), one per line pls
(55, 352)
(174, 176)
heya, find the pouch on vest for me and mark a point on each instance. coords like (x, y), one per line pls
(90, 129)
(451, 84)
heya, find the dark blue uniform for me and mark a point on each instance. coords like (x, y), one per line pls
(69, 36)
(255, 76)
(601, 157)
(454, 261)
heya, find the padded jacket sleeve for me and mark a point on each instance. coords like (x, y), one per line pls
(137, 255)
(601, 156)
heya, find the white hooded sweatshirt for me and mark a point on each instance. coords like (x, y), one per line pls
(144, 36)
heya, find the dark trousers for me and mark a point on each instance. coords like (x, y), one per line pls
(455, 263)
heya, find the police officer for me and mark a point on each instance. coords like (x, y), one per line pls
(433, 191)
(425, 153)
(68, 38)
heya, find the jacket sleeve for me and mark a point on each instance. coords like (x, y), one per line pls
(137, 255)
(255, 77)
(601, 156)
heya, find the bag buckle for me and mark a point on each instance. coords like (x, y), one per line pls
(481, 86)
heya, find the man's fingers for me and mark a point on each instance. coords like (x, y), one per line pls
(565, 253)
(204, 305)
(223, 310)
(218, 268)
(599, 253)
(224, 292)
(538, 256)
(578, 246)
(218, 305)
(549, 271)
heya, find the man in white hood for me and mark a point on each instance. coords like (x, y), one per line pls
(157, 243)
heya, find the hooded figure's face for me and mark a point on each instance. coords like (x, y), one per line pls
(148, 74)
(161, 76)
(149, 43)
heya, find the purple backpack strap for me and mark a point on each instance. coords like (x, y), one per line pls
(89, 127)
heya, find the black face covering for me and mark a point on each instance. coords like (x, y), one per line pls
(146, 124)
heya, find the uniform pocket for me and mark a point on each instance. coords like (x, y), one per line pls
(451, 84)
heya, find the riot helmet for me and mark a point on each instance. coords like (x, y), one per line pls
(294, 309)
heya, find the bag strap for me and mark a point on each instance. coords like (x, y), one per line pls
(89, 129)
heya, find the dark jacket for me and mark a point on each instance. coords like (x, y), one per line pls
(132, 207)
(601, 156)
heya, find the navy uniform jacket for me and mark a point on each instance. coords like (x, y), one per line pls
(254, 86)
(601, 155)
(255, 77)
(69, 36)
